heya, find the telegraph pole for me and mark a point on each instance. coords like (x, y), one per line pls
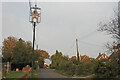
(77, 50)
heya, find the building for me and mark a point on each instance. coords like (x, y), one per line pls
(74, 58)
(116, 48)
(102, 56)
(84, 58)
(81, 58)
(116, 53)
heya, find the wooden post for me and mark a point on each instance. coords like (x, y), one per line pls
(77, 50)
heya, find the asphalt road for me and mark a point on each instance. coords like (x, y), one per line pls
(48, 73)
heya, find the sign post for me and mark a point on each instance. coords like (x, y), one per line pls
(35, 17)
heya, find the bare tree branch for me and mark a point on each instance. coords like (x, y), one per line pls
(111, 28)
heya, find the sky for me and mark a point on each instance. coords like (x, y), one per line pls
(61, 23)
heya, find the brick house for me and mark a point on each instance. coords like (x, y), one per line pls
(73, 58)
(116, 53)
(102, 56)
(84, 58)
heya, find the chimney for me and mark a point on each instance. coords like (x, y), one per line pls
(99, 53)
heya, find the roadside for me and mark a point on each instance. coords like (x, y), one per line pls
(74, 76)
(14, 74)
(62, 73)
(35, 74)
(20, 74)
(83, 76)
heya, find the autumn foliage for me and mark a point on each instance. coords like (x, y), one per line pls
(43, 53)
(20, 53)
(7, 48)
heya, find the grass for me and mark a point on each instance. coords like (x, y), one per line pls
(80, 75)
(66, 74)
(63, 73)
(35, 72)
(14, 74)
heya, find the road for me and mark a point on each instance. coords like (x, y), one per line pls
(48, 73)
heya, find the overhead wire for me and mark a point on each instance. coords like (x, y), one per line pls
(83, 37)
(90, 44)
(70, 48)
(88, 35)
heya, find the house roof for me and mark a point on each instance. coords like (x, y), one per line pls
(84, 57)
(115, 53)
(115, 47)
(73, 57)
(102, 56)
(99, 56)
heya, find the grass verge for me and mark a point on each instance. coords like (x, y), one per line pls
(35, 74)
(14, 74)
(65, 74)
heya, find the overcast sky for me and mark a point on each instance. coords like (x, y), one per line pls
(61, 23)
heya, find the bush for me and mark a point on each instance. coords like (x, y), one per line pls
(85, 68)
(107, 70)
(71, 67)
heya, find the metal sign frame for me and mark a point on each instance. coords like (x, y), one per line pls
(35, 15)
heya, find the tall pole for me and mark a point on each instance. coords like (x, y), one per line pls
(77, 49)
(35, 13)
(34, 24)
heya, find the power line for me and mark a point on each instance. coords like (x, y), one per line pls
(70, 48)
(90, 44)
(83, 37)
(88, 35)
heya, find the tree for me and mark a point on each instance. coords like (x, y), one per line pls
(112, 28)
(74, 60)
(23, 54)
(62, 63)
(71, 66)
(43, 54)
(107, 70)
(7, 48)
(56, 59)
